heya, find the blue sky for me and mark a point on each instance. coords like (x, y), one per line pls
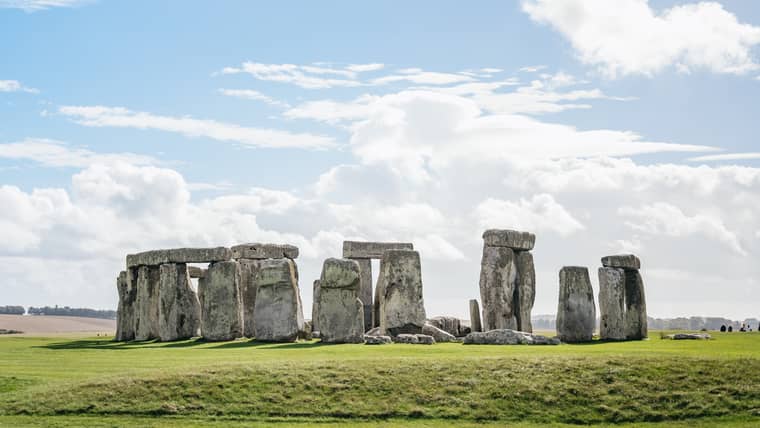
(126, 126)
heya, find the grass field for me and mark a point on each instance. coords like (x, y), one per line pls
(70, 381)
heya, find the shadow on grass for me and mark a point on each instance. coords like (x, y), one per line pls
(192, 343)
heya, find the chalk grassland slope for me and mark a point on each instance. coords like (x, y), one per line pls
(56, 324)
(75, 382)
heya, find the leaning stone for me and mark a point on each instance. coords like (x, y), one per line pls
(365, 290)
(125, 313)
(259, 251)
(438, 334)
(526, 290)
(341, 313)
(406, 338)
(195, 272)
(375, 331)
(179, 313)
(376, 340)
(278, 315)
(179, 255)
(315, 305)
(576, 313)
(222, 304)
(498, 274)
(623, 261)
(146, 303)
(635, 306)
(371, 250)
(402, 308)
(475, 325)
(247, 269)
(612, 317)
(425, 339)
(513, 239)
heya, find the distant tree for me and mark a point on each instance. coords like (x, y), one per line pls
(73, 312)
(12, 310)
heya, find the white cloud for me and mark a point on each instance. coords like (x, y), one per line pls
(363, 68)
(540, 213)
(726, 157)
(37, 5)
(250, 94)
(54, 153)
(100, 116)
(532, 68)
(308, 77)
(627, 37)
(16, 86)
(422, 77)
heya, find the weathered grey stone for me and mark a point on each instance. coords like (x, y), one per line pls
(179, 255)
(195, 272)
(146, 303)
(365, 290)
(375, 331)
(376, 340)
(509, 238)
(438, 334)
(508, 337)
(635, 306)
(278, 314)
(179, 313)
(498, 274)
(341, 313)
(259, 251)
(612, 319)
(315, 306)
(526, 290)
(425, 339)
(402, 308)
(371, 250)
(376, 301)
(576, 312)
(221, 302)
(414, 339)
(306, 333)
(688, 336)
(451, 325)
(475, 325)
(623, 261)
(247, 269)
(125, 313)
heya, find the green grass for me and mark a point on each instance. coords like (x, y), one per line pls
(90, 381)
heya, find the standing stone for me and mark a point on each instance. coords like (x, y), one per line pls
(612, 320)
(526, 290)
(498, 274)
(125, 315)
(248, 289)
(635, 306)
(376, 302)
(201, 288)
(341, 312)
(222, 308)
(576, 313)
(402, 308)
(475, 325)
(146, 303)
(316, 289)
(365, 290)
(278, 316)
(179, 312)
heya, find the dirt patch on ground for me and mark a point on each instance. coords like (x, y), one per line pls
(56, 324)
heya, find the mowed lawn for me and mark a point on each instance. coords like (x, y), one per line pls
(70, 381)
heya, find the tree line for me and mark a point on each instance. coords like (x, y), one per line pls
(59, 310)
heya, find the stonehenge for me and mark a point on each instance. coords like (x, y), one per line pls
(475, 324)
(341, 312)
(222, 309)
(402, 309)
(507, 280)
(125, 326)
(278, 316)
(508, 337)
(576, 312)
(179, 313)
(622, 305)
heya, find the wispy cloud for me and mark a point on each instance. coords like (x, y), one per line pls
(101, 116)
(250, 94)
(361, 68)
(53, 153)
(726, 157)
(37, 5)
(16, 86)
(305, 76)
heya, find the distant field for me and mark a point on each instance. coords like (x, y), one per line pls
(56, 324)
(58, 381)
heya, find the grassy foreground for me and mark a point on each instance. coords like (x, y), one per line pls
(62, 381)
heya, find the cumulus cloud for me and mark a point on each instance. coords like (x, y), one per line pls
(16, 86)
(726, 157)
(541, 213)
(628, 37)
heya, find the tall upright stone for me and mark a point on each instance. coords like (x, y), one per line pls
(278, 316)
(612, 304)
(222, 308)
(402, 308)
(635, 306)
(146, 303)
(179, 312)
(125, 314)
(341, 312)
(576, 312)
(475, 324)
(498, 274)
(526, 290)
(316, 289)
(248, 288)
(365, 290)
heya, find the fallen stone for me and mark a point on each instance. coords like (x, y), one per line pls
(410, 339)
(371, 250)
(278, 315)
(125, 313)
(688, 336)
(306, 333)
(576, 313)
(635, 306)
(195, 272)
(222, 303)
(612, 318)
(315, 305)
(498, 274)
(146, 303)
(438, 334)
(365, 290)
(425, 339)
(402, 308)
(375, 331)
(341, 313)
(179, 313)
(315, 334)
(623, 261)
(179, 255)
(513, 239)
(449, 324)
(259, 251)
(508, 337)
(475, 325)
(526, 290)
(376, 340)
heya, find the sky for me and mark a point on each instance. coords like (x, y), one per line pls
(602, 127)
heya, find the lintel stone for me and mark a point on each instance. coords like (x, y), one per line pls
(622, 261)
(179, 255)
(371, 250)
(521, 241)
(259, 251)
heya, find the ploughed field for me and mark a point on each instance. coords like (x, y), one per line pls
(60, 381)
